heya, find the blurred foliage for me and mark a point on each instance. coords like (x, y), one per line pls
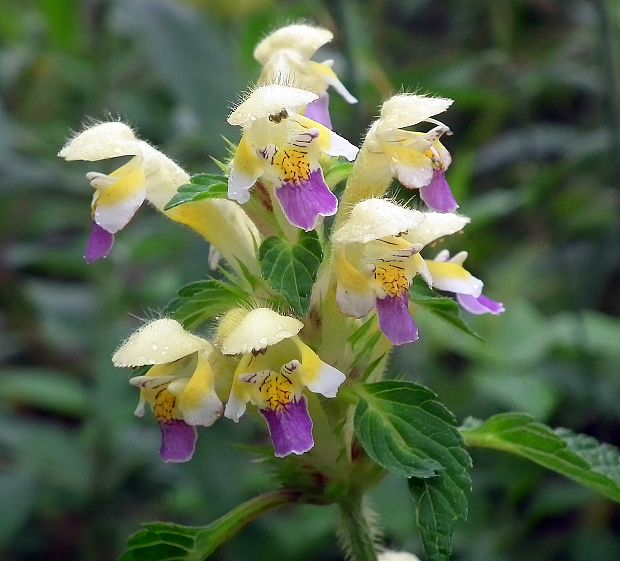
(537, 167)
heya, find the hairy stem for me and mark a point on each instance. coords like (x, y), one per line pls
(224, 528)
(358, 531)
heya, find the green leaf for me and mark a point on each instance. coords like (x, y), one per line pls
(201, 186)
(440, 503)
(338, 173)
(200, 301)
(292, 269)
(405, 429)
(442, 306)
(44, 389)
(578, 457)
(159, 541)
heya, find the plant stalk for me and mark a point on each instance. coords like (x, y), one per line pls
(358, 533)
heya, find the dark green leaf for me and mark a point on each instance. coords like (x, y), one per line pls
(292, 269)
(200, 301)
(159, 541)
(440, 503)
(405, 429)
(442, 306)
(578, 457)
(201, 186)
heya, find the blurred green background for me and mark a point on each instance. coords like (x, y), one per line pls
(537, 167)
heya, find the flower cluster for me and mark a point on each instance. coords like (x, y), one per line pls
(261, 351)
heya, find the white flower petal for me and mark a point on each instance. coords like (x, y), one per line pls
(240, 181)
(414, 176)
(459, 258)
(205, 412)
(452, 277)
(443, 255)
(158, 342)
(406, 110)
(326, 381)
(116, 217)
(257, 330)
(101, 142)
(423, 270)
(151, 382)
(270, 100)
(305, 39)
(373, 219)
(335, 83)
(354, 303)
(336, 145)
(139, 411)
(436, 225)
(235, 407)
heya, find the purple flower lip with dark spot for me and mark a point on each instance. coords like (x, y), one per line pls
(395, 321)
(303, 202)
(290, 428)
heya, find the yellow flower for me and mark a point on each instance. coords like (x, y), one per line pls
(417, 159)
(286, 55)
(281, 147)
(153, 176)
(179, 386)
(376, 257)
(275, 368)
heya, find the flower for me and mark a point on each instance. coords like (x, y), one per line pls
(376, 257)
(275, 368)
(153, 176)
(287, 52)
(418, 160)
(179, 386)
(282, 148)
(449, 274)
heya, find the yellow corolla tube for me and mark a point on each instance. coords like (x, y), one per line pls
(281, 148)
(179, 387)
(150, 175)
(417, 159)
(286, 55)
(275, 369)
(376, 257)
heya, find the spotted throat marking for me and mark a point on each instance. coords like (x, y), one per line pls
(293, 163)
(432, 155)
(276, 389)
(392, 279)
(164, 406)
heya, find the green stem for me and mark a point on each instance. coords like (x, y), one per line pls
(357, 532)
(225, 527)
